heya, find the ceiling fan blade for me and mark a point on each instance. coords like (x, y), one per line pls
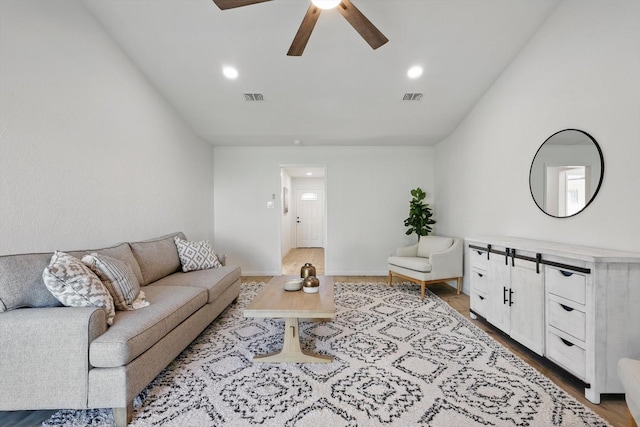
(304, 32)
(230, 4)
(362, 25)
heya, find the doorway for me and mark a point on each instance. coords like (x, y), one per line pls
(304, 216)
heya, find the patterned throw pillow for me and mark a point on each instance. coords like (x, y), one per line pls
(196, 255)
(75, 285)
(119, 279)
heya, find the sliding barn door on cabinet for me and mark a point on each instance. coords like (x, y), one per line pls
(516, 297)
(527, 310)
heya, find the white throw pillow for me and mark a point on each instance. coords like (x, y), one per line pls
(196, 255)
(75, 285)
(433, 244)
(119, 279)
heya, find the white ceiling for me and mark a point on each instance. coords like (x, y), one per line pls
(340, 92)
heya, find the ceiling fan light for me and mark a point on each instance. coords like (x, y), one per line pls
(325, 4)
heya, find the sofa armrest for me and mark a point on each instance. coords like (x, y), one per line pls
(408, 251)
(44, 356)
(448, 264)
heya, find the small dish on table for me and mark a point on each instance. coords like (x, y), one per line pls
(293, 285)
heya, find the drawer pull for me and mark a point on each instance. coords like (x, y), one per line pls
(566, 273)
(479, 252)
(567, 343)
(566, 308)
(480, 275)
(481, 297)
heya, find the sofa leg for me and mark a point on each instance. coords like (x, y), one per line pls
(123, 416)
(459, 285)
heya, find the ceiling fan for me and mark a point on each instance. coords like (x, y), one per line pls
(358, 21)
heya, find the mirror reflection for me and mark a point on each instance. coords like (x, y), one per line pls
(566, 173)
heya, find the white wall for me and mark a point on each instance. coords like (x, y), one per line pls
(90, 154)
(579, 71)
(367, 198)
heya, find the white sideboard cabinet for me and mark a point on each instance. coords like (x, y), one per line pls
(577, 306)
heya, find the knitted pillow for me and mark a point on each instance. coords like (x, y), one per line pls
(119, 278)
(196, 255)
(75, 285)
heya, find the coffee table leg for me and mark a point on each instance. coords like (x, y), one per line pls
(291, 350)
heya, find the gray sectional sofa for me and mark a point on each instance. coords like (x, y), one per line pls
(55, 357)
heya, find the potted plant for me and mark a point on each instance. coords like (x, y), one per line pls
(420, 214)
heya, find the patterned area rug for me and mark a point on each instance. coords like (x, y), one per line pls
(396, 360)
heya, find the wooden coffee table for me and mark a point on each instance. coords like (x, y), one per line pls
(273, 301)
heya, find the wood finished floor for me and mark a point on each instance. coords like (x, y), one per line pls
(612, 407)
(296, 258)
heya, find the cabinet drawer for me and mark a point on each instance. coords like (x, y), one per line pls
(478, 259)
(566, 284)
(479, 304)
(566, 353)
(567, 319)
(479, 281)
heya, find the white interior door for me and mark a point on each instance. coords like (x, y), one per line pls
(309, 218)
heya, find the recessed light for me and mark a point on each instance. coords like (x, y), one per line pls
(230, 72)
(309, 174)
(414, 72)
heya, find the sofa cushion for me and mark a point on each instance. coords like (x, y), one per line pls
(121, 251)
(196, 255)
(215, 280)
(21, 283)
(133, 332)
(75, 285)
(412, 263)
(433, 244)
(118, 278)
(157, 258)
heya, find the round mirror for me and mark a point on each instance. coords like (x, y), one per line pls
(566, 173)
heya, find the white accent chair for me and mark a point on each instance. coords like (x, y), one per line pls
(433, 259)
(629, 373)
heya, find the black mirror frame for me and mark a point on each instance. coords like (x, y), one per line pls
(595, 143)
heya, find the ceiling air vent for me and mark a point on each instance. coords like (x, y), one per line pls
(412, 97)
(253, 97)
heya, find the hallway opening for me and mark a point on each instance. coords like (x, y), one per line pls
(297, 257)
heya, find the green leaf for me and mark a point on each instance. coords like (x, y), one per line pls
(419, 214)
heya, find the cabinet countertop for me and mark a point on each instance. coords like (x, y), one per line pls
(583, 253)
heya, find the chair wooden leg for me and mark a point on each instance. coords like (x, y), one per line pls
(422, 286)
(390, 278)
(459, 285)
